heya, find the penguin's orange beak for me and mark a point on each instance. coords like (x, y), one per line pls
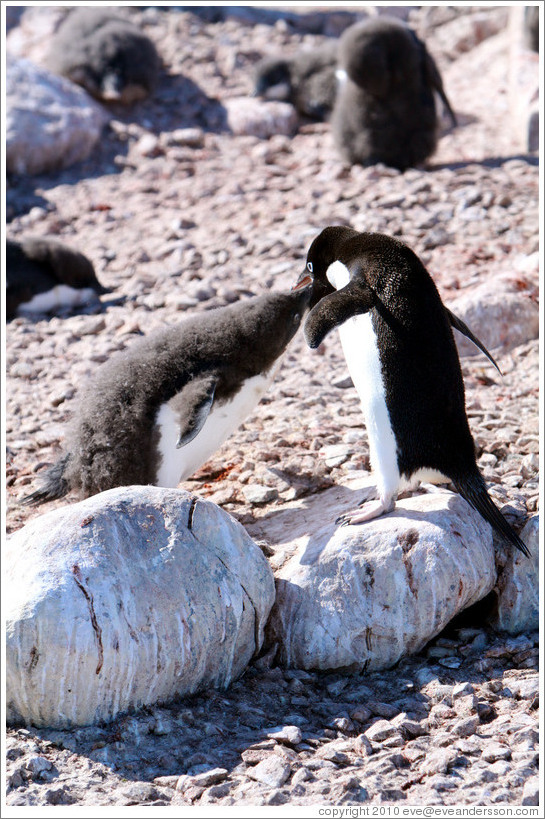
(303, 281)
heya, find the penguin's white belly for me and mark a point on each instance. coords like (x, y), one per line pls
(361, 352)
(178, 464)
(59, 296)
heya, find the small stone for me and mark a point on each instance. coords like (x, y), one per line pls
(342, 382)
(361, 714)
(527, 737)
(189, 137)
(438, 761)
(362, 746)
(59, 796)
(37, 765)
(450, 662)
(148, 145)
(383, 709)
(257, 494)
(288, 733)
(211, 777)
(380, 730)
(461, 690)
(342, 724)
(216, 792)
(336, 454)
(272, 771)
(277, 797)
(525, 689)
(301, 775)
(466, 727)
(530, 793)
(494, 751)
(15, 779)
(166, 781)
(409, 727)
(465, 705)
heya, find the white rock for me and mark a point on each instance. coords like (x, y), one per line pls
(255, 493)
(380, 730)
(114, 602)
(287, 733)
(272, 771)
(361, 597)
(530, 792)
(518, 585)
(50, 122)
(500, 318)
(253, 117)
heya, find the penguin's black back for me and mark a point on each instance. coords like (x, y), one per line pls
(112, 440)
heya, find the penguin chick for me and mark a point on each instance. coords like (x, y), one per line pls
(43, 275)
(307, 80)
(399, 346)
(105, 53)
(385, 107)
(155, 412)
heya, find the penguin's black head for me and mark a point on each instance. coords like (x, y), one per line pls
(379, 54)
(324, 250)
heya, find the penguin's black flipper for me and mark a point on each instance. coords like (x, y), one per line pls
(192, 405)
(54, 484)
(435, 82)
(462, 327)
(473, 489)
(434, 78)
(335, 309)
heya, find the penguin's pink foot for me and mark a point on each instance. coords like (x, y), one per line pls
(369, 511)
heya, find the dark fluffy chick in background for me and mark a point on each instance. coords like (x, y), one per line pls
(44, 275)
(104, 52)
(307, 80)
(385, 109)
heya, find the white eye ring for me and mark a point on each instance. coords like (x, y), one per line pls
(309, 267)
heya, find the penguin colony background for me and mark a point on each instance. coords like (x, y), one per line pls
(377, 85)
(157, 411)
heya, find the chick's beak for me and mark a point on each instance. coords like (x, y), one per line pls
(304, 280)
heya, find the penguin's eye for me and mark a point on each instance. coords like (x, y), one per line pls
(309, 267)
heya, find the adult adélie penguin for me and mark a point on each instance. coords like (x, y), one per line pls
(399, 347)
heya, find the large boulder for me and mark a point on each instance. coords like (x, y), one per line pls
(129, 598)
(361, 597)
(50, 122)
(503, 314)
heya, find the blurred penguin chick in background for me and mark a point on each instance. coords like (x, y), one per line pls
(385, 109)
(44, 275)
(307, 80)
(104, 52)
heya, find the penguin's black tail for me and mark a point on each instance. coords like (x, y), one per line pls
(474, 490)
(53, 486)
